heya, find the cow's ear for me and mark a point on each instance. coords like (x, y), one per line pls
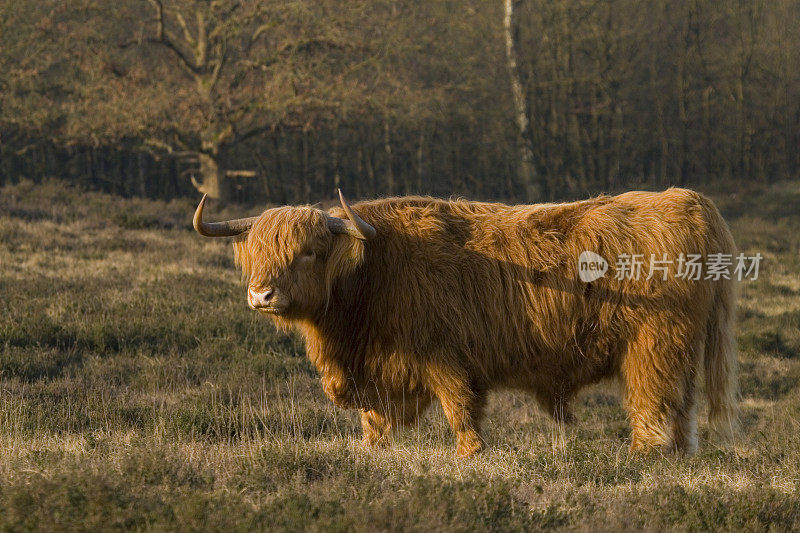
(353, 225)
(343, 257)
(241, 255)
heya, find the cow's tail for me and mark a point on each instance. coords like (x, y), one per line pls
(721, 364)
(722, 385)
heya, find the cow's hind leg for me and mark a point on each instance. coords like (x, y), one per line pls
(684, 420)
(556, 404)
(658, 371)
(684, 417)
(409, 408)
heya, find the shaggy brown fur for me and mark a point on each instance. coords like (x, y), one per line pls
(452, 299)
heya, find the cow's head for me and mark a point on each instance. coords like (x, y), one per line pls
(290, 256)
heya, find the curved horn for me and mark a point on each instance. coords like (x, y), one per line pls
(228, 228)
(355, 227)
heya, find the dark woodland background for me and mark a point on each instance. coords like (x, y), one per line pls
(284, 101)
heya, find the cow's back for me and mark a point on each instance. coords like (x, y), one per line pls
(494, 289)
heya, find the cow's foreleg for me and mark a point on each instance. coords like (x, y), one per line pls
(340, 390)
(463, 407)
(400, 410)
(376, 428)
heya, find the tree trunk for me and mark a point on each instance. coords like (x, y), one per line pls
(741, 124)
(683, 114)
(369, 165)
(420, 161)
(526, 169)
(141, 174)
(663, 138)
(387, 148)
(337, 178)
(276, 150)
(211, 181)
(305, 193)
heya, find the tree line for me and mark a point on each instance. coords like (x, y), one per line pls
(278, 101)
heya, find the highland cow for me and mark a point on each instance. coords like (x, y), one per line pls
(403, 300)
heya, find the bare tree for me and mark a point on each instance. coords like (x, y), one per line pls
(216, 47)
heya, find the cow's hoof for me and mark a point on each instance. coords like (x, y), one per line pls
(468, 445)
(375, 440)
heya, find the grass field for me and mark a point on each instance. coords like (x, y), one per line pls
(138, 391)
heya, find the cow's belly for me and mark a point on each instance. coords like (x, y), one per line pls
(567, 369)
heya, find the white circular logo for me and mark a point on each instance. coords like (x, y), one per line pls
(591, 266)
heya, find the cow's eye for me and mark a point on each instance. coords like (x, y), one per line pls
(307, 258)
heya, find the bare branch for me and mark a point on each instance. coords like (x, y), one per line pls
(187, 34)
(159, 7)
(201, 47)
(218, 64)
(240, 173)
(240, 137)
(166, 39)
(158, 143)
(170, 45)
(186, 155)
(261, 30)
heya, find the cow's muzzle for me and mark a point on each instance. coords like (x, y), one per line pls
(261, 299)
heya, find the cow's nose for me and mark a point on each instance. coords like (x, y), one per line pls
(259, 298)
